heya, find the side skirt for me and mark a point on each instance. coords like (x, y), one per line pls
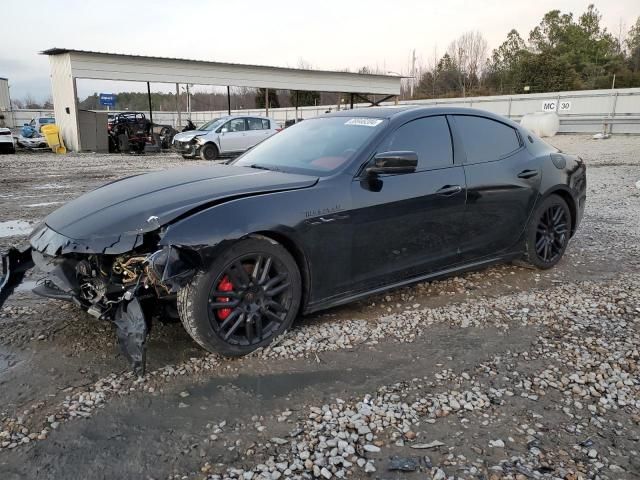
(351, 297)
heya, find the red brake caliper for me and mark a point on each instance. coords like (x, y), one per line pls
(224, 286)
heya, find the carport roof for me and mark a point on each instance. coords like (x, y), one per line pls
(59, 51)
(117, 66)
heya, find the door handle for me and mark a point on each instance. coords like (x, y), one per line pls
(449, 190)
(528, 174)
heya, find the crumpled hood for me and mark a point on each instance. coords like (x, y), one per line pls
(188, 135)
(129, 205)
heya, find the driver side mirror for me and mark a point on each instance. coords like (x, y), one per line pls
(393, 163)
(224, 130)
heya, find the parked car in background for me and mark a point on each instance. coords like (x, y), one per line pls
(37, 122)
(7, 144)
(224, 136)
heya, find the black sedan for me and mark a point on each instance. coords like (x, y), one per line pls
(327, 211)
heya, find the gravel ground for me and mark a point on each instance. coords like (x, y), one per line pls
(507, 372)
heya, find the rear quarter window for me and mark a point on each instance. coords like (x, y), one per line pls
(484, 139)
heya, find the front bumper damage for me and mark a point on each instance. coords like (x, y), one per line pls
(187, 148)
(120, 278)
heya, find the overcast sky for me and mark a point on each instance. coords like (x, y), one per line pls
(327, 34)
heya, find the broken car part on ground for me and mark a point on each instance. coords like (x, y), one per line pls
(241, 249)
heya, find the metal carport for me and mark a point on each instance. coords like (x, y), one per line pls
(69, 65)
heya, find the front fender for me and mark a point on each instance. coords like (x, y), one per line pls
(211, 230)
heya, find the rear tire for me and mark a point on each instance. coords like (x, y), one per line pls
(249, 295)
(123, 143)
(209, 152)
(548, 232)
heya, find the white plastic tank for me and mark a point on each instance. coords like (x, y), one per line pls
(543, 124)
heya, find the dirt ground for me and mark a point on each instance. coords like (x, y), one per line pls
(507, 372)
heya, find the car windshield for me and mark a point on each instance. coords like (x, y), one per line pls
(212, 124)
(47, 120)
(318, 146)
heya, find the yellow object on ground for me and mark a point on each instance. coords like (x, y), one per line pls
(52, 134)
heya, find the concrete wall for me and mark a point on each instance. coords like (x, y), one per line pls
(589, 111)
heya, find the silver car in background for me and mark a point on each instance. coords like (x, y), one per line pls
(224, 136)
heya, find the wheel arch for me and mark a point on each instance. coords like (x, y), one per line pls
(563, 192)
(298, 255)
(211, 142)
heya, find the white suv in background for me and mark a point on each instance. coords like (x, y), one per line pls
(224, 136)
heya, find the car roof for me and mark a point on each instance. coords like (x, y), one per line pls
(231, 117)
(376, 112)
(408, 112)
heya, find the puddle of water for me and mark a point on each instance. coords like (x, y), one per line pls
(4, 362)
(26, 286)
(44, 204)
(48, 186)
(45, 195)
(13, 228)
(7, 360)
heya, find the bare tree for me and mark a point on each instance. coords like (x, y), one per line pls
(30, 102)
(304, 65)
(469, 52)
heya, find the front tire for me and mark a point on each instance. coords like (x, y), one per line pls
(249, 295)
(209, 152)
(548, 232)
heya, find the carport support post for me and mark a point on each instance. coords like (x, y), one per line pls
(178, 105)
(296, 119)
(228, 100)
(351, 95)
(266, 101)
(150, 107)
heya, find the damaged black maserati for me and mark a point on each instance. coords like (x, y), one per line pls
(325, 212)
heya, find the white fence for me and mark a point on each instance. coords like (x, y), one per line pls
(586, 111)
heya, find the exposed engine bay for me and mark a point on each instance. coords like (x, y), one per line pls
(124, 289)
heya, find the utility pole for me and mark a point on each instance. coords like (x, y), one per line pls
(412, 80)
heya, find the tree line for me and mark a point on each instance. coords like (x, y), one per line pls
(561, 53)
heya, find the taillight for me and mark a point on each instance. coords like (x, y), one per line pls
(278, 130)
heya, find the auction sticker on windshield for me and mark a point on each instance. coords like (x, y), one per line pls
(364, 122)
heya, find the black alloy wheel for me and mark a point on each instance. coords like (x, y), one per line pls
(549, 232)
(249, 300)
(248, 296)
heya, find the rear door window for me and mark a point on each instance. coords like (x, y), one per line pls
(428, 137)
(258, 124)
(484, 139)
